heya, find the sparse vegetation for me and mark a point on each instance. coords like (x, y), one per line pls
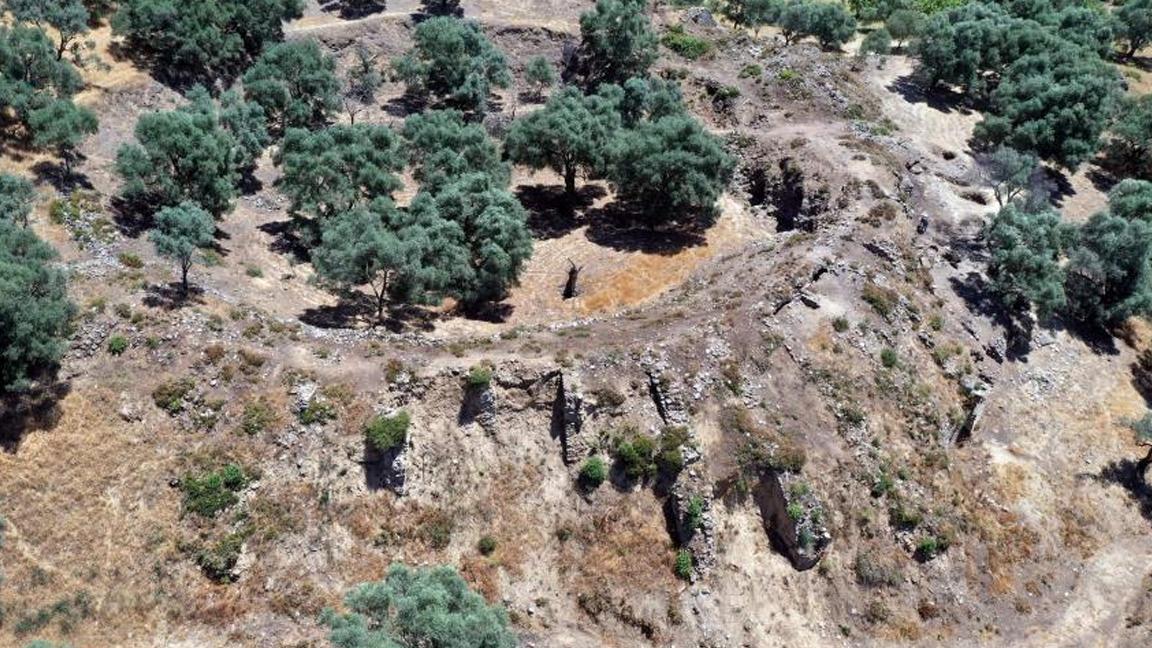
(208, 493)
(593, 472)
(386, 433)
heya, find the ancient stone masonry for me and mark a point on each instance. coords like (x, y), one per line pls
(689, 507)
(568, 417)
(792, 517)
(665, 393)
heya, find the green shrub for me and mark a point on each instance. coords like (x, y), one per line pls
(930, 546)
(123, 311)
(840, 324)
(211, 492)
(486, 545)
(882, 485)
(170, 396)
(670, 460)
(254, 271)
(635, 456)
(888, 358)
(318, 411)
(683, 565)
(388, 432)
(882, 300)
(480, 376)
(218, 561)
(904, 517)
(129, 260)
(685, 44)
(871, 571)
(787, 74)
(796, 511)
(593, 472)
(750, 71)
(695, 512)
(117, 344)
(258, 417)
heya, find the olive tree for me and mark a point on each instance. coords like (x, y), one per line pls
(62, 126)
(570, 134)
(1007, 172)
(453, 61)
(1134, 19)
(1129, 147)
(1053, 104)
(17, 195)
(336, 169)
(430, 607)
(34, 308)
(495, 233)
(539, 75)
(296, 85)
(443, 147)
(1026, 248)
(32, 79)
(202, 40)
(68, 18)
(670, 168)
(402, 256)
(616, 42)
(180, 233)
(179, 156)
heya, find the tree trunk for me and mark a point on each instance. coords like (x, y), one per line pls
(570, 288)
(184, 278)
(570, 181)
(1142, 466)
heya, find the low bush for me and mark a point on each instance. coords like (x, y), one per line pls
(872, 571)
(635, 456)
(593, 472)
(685, 44)
(486, 545)
(388, 432)
(209, 493)
(480, 376)
(218, 561)
(170, 396)
(882, 300)
(888, 358)
(117, 344)
(317, 411)
(258, 417)
(683, 566)
(129, 260)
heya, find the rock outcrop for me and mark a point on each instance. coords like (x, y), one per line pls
(792, 517)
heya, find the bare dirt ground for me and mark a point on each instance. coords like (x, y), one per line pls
(1049, 547)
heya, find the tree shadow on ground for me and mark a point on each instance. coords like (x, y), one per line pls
(132, 219)
(1123, 473)
(405, 105)
(1062, 188)
(977, 296)
(550, 213)
(622, 227)
(61, 179)
(944, 100)
(21, 414)
(286, 240)
(492, 312)
(171, 296)
(170, 75)
(356, 309)
(350, 10)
